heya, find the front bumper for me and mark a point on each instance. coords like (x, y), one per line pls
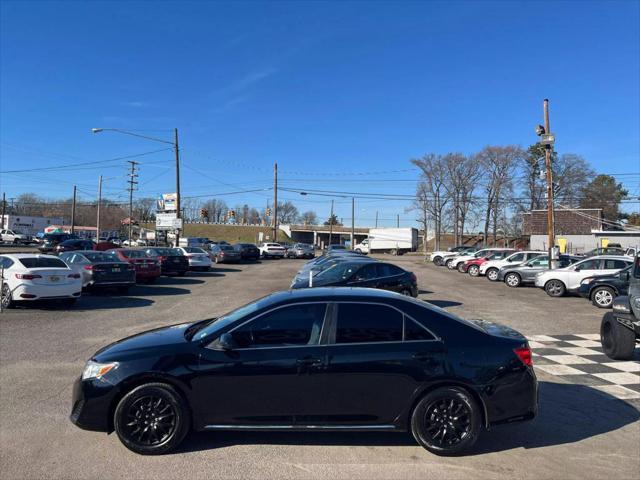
(584, 290)
(91, 404)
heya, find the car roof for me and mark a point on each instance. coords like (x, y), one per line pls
(609, 257)
(333, 293)
(18, 256)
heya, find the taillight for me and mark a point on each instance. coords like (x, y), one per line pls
(27, 276)
(524, 354)
(74, 275)
(88, 267)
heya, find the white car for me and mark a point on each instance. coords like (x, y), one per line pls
(271, 250)
(14, 236)
(453, 263)
(492, 267)
(439, 256)
(28, 277)
(198, 258)
(561, 280)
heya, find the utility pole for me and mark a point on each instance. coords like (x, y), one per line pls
(178, 211)
(353, 221)
(376, 219)
(73, 212)
(331, 223)
(398, 221)
(275, 201)
(4, 208)
(132, 183)
(98, 212)
(548, 149)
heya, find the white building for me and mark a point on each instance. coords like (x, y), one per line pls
(29, 225)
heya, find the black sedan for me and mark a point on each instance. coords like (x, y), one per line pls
(362, 273)
(100, 270)
(248, 251)
(172, 261)
(314, 359)
(601, 290)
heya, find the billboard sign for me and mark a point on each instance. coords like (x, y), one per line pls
(168, 221)
(167, 202)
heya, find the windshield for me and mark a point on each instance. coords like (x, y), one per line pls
(101, 257)
(335, 273)
(232, 317)
(226, 248)
(193, 250)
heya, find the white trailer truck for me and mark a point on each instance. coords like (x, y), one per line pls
(396, 241)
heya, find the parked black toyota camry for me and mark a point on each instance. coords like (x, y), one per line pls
(312, 359)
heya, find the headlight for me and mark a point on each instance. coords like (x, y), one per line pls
(97, 370)
(586, 280)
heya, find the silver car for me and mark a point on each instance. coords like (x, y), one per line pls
(301, 250)
(525, 273)
(198, 258)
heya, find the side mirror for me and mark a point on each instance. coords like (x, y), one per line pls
(225, 342)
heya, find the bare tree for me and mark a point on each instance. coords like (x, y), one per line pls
(498, 164)
(571, 174)
(217, 210)
(432, 189)
(309, 218)
(143, 209)
(254, 216)
(462, 177)
(287, 213)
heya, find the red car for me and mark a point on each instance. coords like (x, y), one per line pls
(147, 269)
(472, 267)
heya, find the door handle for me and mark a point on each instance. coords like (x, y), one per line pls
(308, 361)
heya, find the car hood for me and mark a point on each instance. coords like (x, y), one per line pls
(155, 338)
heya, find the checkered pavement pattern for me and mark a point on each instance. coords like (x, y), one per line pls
(579, 359)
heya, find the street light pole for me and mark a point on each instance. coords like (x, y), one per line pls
(353, 221)
(330, 225)
(178, 212)
(548, 149)
(73, 212)
(98, 213)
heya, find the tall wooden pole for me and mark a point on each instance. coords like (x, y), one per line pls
(331, 224)
(4, 208)
(98, 212)
(548, 149)
(353, 221)
(275, 201)
(178, 211)
(73, 211)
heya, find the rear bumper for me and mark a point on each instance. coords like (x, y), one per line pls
(47, 292)
(514, 400)
(140, 274)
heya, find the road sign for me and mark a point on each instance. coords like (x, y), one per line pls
(168, 221)
(547, 139)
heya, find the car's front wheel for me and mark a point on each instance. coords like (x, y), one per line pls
(446, 421)
(437, 261)
(152, 419)
(618, 342)
(492, 274)
(602, 297)
(555, 288)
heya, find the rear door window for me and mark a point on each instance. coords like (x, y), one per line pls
(368, 323)
(612, 264)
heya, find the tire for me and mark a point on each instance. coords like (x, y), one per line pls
(618, 342)
(359, 250)
(602, 297)
(437, 261)
(555, 288)
(68, 302)
(440, 410)
(182, 274)
(166, 415)
(124, 290)
(406, 292)
(6, 296)
(16, 241)
(460, 267)
(151, 280)
(492, 274)
(449, 264)
(474, 270)
(513, 280)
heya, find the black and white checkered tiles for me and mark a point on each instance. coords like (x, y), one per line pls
(579, 359)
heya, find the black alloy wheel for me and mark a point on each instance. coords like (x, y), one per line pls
(151, 419)
(446, 421)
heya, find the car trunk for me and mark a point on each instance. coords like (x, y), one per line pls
(51, 276)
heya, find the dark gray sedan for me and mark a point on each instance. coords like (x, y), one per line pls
(525, 273)
(100, 269)
(301, 250)
(225, 254)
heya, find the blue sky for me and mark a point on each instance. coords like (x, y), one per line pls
(328, 89)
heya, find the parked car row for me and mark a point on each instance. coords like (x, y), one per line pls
(596, 277)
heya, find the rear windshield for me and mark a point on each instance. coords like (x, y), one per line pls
(101, 257)
(135, 254)
(193, 250)
(226, 247)
(165, 252)
(40, 262)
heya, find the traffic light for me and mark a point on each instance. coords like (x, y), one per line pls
(268, 211)
(232, 213)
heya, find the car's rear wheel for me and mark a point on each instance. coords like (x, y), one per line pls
(602, 297)
(492, 274)
(151, 419)
(473, 270)
(555, 288)
(406, 292)
(513, 280)
(449, 264)
(446, 421)
(123, 289)
(460, 267)
(437, 261)
(7, 298)
(618, 342)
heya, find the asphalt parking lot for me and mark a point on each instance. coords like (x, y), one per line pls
(584, 430)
